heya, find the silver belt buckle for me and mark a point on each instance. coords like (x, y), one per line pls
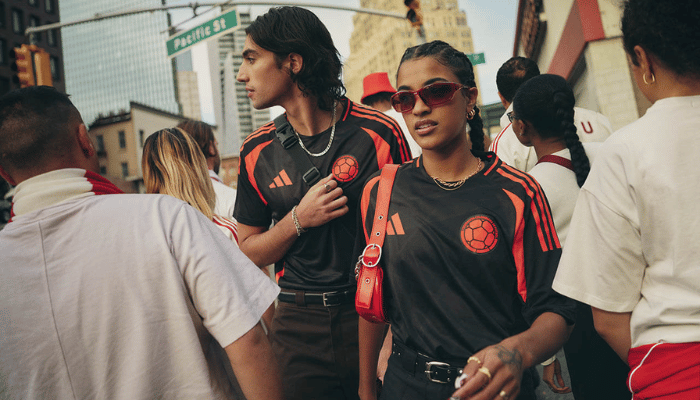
(325, 300)
(429, 372)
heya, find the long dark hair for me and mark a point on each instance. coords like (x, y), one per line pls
(547, 102)
(460, 66)
(285, 30)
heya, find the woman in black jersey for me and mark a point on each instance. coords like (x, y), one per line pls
(543, 117)
(469, 256)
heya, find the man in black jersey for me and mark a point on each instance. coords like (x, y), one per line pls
(290, 61)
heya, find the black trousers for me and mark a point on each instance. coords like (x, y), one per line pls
(318, 351)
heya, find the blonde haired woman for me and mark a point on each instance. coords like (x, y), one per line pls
(174, 165)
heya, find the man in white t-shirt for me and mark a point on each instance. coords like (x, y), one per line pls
(116, 296)
(203, 134)
(376, 93)
(591, 126)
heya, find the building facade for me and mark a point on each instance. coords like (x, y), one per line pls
(111, 62)
(15, 17)
(377, 43)
(119, 140)
(187, 86)
(581, 40)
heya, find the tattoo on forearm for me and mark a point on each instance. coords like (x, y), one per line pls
(511, 358)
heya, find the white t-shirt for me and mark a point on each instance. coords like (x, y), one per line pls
(225, 197)
(560, 187)
(633, 240)
(416, 150)
(121, 297)
(590, 126)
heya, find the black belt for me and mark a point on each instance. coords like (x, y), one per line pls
(421, 365)
(328, 299)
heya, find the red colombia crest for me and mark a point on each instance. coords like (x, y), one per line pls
(479, 234)
(345, 168)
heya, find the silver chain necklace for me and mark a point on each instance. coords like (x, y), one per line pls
(335, 103)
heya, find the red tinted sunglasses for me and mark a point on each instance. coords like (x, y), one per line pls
(432, 95)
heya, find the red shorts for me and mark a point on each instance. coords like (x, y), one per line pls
(665, 371)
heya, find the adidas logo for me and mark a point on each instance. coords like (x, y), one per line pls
(282, 179)
(394, 226)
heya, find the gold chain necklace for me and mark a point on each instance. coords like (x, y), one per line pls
(445, 185)
(330, 141)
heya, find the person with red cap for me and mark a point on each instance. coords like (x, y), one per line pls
(376, 93)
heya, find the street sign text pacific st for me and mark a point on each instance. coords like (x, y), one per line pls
(209, 30)
(477, 58)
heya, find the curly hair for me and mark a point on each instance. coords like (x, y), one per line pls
(666, 28)
(460, 65)
(173, 164)
(547, 102)
(285, 30)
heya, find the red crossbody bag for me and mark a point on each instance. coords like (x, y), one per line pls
(369, 300)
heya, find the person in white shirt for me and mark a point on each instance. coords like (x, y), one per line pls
(116, 296)
(203, 134)
(543, 119)
(636, 225)
(591, 126)
(376, 93)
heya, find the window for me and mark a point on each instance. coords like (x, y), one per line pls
(2, 15)
(55, 73)
(34, 21)
(100, 143)
(51, 37)
(122, 141)
(3, 52)
(34, 3)
(125, 170)
(17, 22)
(141, 136)
(49, 6)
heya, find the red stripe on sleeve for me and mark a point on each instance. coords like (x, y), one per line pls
(364, 203)
(395, 129)
(381, 147)
(518, 248)
(250, 161)
(494, 143)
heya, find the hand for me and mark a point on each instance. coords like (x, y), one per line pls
(552, 377)
(322, 203)
(506, 368)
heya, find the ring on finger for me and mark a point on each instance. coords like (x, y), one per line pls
(474, 358)
(503, 394)
(485, 371)
(327, 186)
(460, 380)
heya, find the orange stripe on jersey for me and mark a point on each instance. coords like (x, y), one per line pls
(418, 162)
(278, 181)
(269, 127)
(397, 224)
(544, 208)
(279, 275)
(285, 178)
(493, 166)
(543, 219)
(518, 250)
(390, 230)
(364, 203)
(250, 161)
(379, 116)
(346, 112)
(381, 147)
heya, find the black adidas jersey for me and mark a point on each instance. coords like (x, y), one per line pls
(467, 268)
(269, 185)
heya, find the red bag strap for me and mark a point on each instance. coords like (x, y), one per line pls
(373, 251)
(557, 160)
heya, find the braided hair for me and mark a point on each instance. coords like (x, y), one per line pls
(547, 102)
(460, 66)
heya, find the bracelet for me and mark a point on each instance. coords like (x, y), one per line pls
(297, 225)
(549, 361)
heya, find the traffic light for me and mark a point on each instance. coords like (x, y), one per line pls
(42, 64)
(23, 66)
(415, 17)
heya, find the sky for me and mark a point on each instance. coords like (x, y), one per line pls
(492, 23)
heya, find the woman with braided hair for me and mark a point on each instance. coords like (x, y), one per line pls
(469, 255)
(543, 117)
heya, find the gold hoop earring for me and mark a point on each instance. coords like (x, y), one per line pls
(644, 78)
(471, 114)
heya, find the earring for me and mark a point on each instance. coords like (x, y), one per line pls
(644, 78)
(471, 114)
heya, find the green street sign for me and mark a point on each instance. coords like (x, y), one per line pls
(477, 58)
(211, 29)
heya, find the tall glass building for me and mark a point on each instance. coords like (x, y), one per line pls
(111, 62)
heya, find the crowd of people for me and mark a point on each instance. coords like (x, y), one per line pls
(561, 235)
